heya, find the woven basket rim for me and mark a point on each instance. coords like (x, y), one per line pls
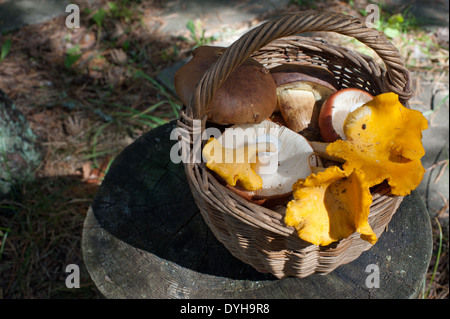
(397, 77)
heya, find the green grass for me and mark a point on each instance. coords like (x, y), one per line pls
(426, 293)
(440, 104)
(197, 34)
(126, 118)
(4, 234)
(5, 48)
(72, 56)
(43, 225)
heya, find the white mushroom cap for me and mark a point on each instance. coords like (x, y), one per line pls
(295, 154)
(335, 109)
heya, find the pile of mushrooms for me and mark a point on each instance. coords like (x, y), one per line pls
(382, 143)
(263, 166)
(295, 142)
(301, 91)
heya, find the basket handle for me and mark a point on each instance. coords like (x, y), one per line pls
(397, 75)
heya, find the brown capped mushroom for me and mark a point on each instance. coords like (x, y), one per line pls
(301, 90)
(247, 96)
(188, 76)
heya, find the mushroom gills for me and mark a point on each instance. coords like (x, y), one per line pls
(294, 155)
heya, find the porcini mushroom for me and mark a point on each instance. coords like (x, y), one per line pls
(330, 206)
(301, 90)
(292, 158)
(384, 140)
(187, 76)
(335, 109)
(248, 95)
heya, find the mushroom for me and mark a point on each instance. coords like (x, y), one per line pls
(187, 76)
(320, 148)
(384, 140)
(330, 206)
(234, 164)
(292, 158)
(248, 95)
(301, 90)
(335, 109)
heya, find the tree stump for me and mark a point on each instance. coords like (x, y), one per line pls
(144, 237)
(20, 152)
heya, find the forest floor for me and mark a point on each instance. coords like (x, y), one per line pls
(89, 92)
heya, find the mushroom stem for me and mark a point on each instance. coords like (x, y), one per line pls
(247, 154)
(267, 161)
(317, 169)
(321, 149)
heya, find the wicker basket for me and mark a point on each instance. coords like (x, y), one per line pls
(257, 235)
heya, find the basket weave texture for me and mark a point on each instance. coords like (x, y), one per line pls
(255, 234)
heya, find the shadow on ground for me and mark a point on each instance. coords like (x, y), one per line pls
(42, 223)
(155, 211)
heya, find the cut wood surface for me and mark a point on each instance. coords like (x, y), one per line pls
(144, 237)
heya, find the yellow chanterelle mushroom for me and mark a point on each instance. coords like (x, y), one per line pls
(330, 206)
(384, 140)
(234, 165)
